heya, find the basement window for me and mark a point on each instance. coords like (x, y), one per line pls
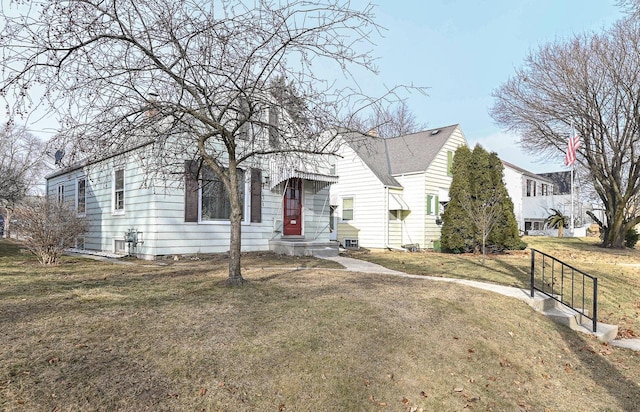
(351, 243)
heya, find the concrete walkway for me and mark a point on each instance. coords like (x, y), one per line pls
(109, 259)
(357, 265)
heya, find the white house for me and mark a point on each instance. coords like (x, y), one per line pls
(186, 210)
(534, 195)
(391, 191)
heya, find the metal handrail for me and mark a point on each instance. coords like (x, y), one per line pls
(570, 301)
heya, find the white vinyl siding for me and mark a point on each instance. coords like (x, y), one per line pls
(370, 213)
(158, 212)
(423, 191)
(437, 180)
(395, 228)
(414, 195)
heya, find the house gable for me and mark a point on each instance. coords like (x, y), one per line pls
(412, 153)
(408, 170)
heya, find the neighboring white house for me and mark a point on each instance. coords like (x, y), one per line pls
(534, 195)
(392, 191)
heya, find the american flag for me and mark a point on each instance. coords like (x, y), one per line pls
(572, 148)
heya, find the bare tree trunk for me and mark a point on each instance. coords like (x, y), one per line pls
(7, 223)
(484, 245)
(614, 235)
(235, 235)
(235, 247)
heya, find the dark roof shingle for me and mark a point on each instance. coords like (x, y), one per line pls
(399, 155)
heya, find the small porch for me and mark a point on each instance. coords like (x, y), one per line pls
(303, 227)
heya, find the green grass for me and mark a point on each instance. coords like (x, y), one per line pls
(88, 335)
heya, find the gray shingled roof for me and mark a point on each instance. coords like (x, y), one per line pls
(398, 155)
(526, 172)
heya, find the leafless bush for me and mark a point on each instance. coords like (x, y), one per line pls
(49, 227)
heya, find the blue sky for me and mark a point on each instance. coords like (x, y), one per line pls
(464, 49)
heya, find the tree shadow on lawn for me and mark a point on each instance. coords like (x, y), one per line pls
(119, 290)
(520, 278)
(9, 248)
(107, 347)
(624, 390)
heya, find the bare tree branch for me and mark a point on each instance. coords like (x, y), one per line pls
(592, 83)
(21, 167)
(196, 78)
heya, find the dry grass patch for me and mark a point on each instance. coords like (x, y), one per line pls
(167, 338)
(618, 272)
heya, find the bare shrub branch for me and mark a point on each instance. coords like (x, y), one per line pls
(49, 227)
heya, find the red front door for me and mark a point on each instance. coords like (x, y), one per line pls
(293, 208)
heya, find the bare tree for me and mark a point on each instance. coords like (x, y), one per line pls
(195, 77)
(484, 215)
(592, 83)
(389, 121)
(49, 227)
(21, 167)
(631, 7)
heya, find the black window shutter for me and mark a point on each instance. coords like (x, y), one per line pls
(256, 195)
(190, 191)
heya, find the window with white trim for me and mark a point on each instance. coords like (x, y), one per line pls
(214, 199)
(347, 208)
(81, 196)
(433, 206)
(119, 246)
(61, 193)
(118, 191)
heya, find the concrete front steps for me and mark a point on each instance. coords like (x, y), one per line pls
(572, 318)
(299, 246)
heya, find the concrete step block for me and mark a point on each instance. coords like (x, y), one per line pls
(564, 316)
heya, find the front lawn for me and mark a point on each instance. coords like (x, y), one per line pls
(89, 335)
(618, 271)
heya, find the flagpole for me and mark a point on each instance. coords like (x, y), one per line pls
(571, 223)
(572, 168)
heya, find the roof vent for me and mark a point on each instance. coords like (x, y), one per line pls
(434, 132)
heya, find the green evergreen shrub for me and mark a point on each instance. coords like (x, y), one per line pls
(631, 238)
(478, 182)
